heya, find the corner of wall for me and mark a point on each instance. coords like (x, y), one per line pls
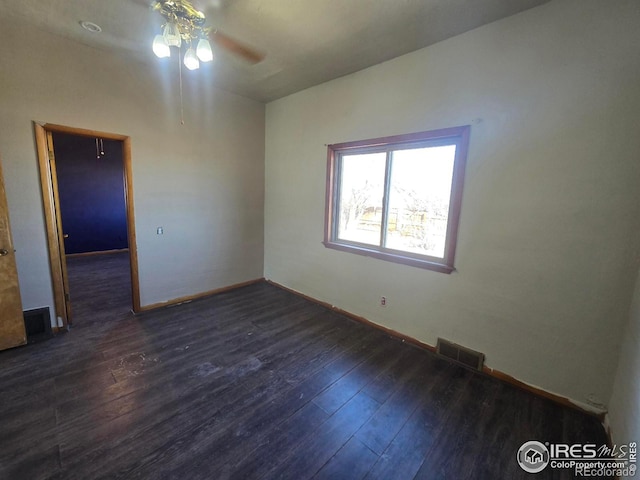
(624, 415)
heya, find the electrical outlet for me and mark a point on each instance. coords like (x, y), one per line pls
(160, 231)
(383, 301)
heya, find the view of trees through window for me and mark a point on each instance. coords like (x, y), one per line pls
(398, 198)
(418, 191)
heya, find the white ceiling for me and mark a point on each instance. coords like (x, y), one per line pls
(306, 42)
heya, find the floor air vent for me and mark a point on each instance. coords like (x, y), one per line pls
(37, 324)
(459, 354)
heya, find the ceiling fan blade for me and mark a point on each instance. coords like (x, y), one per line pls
(235, 47)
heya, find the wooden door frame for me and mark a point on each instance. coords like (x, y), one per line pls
(49, 185)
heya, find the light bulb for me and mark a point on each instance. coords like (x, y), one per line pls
(160, 47)
(172, 35)
(204, 50)
(191, 60)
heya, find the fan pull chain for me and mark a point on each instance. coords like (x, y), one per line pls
(99, 148)
(181, 102)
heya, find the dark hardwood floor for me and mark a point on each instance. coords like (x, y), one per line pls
(255, 383)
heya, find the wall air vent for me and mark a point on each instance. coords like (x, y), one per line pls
(459, 354)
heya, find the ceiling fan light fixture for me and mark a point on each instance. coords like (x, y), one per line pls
(203, 51)
(191, 59)
(160, 47)
(183, 23)
(171, 35)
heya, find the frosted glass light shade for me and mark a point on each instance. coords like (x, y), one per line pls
(160, 47)
(204, 52)
(191, 60)
(172, 35)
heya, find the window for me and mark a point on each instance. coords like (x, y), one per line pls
(398, 198)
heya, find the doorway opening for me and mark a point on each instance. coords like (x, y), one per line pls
(86, 180)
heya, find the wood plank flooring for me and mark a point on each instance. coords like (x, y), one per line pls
(255, 383)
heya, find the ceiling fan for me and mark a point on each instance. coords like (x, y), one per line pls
(184, 23)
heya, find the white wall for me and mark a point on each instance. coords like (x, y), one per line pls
(203, 182)
(624, 407)
(550, 215)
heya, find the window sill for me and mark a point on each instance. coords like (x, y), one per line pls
(391, 257)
